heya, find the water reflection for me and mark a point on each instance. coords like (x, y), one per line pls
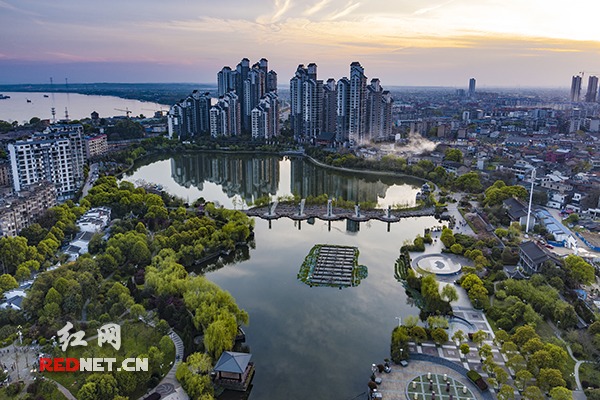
(245, 178)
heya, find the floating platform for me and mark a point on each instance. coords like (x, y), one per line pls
(332, 265)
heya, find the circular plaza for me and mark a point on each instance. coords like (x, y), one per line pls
(437, 387)
(438, 264)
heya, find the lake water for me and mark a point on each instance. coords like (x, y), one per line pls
(307, 343)
(236, 180)
(78, 105)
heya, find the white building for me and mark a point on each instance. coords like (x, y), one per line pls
(55, 157)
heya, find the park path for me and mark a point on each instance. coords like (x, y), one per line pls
(64, 391)
(579, 392)
(169, 387)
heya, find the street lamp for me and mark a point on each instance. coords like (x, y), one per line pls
(399, 321)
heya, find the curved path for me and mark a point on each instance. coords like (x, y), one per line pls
(577, 362)
(169, 387)
(64, 391)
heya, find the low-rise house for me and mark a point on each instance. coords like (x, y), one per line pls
(560, 232)
(517, 212)
(532, 257)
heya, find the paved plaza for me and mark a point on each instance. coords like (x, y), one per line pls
(439, 264)
(397, 385)
(438, 387)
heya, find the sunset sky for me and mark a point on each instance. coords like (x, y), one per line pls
(402, 42)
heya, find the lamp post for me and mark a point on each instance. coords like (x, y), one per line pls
(399, 321)
(530, 200)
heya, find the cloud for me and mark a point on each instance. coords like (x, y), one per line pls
(432, 8)
(281, 6)
(315, 8)
(347, 10)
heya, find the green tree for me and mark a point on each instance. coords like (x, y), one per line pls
(136, 311)
(447, 237)
(506, 393)
(439, 336)
(458, 336)
(465, 349)
(453, 155)
(561, 393)
(579, 269)
(456, 248)
(550, 378)
(7, 282)
(523, 334)
(449, 293)
(23, 273)
(523, 379)
(469, 182)
(479, 337)
(533, 393)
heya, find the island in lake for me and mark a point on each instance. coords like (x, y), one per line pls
(332, 265)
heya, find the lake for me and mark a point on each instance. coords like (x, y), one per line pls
(78, 106)
(235, 180)
(306, 342)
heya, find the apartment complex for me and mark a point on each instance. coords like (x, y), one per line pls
(354, 111)
(96, 146)
(24, 208)
(57, 157)
(240, 91)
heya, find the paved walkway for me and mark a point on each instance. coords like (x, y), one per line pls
(169, 388)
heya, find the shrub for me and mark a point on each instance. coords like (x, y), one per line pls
(477, 380)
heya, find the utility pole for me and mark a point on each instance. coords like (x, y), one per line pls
(530, 200)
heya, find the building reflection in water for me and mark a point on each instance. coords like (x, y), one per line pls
(255, 176)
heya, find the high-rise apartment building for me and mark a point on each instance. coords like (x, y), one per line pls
(329, 106)
(592, 89)
(379, 111)
(472, 83)
(576, 88)
(342, 109)
(57, 157)
(225, 81)
(265, 117)
(358, 104)
(306, 103)
(225, 118)
(239, 92)
(272, 81)
(374, 109)
(354, 112)
(190, 117)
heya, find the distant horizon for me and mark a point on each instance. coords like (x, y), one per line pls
(438, 43)
(61, 86)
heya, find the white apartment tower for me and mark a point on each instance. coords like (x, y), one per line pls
(358, 104)
(56, 157)
(265, 118)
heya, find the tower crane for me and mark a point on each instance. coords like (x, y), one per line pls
(126, 111)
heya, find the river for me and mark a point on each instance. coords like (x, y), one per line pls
(78, 106)
(306, 343)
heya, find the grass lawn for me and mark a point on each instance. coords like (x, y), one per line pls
(136, 339)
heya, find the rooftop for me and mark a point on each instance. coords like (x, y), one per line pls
(233, 362)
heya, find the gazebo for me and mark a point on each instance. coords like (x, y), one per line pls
(234, 370)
